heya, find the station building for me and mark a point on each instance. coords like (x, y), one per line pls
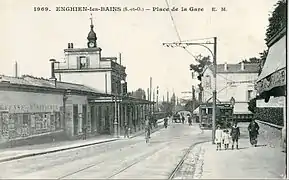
(86, 90)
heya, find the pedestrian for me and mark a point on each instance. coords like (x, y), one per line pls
(226, 138)
(183, 119)
(218, 137)
(84, 129)
(147, 126)
(235, 134)
(126, 129)
(201, 128)
(189, 120)
(253, 129)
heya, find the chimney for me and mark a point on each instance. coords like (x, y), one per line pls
(225, 66)
(52, 68)
(70, 45)
(242, 66)
(16, 69)
(119, 58)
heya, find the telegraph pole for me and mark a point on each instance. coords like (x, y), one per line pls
(214, 91)
(214, 55)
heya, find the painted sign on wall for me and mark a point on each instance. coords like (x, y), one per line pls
(30, 108)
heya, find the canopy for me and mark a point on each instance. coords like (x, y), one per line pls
(196, 111)
(274, 70)
(241, 108)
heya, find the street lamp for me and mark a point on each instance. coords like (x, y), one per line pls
(214, 55)
(115, 123)
(122, 82)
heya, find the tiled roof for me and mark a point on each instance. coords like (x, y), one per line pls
(41, 82)
(236, 68)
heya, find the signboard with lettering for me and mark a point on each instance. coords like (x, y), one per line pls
(274, 80)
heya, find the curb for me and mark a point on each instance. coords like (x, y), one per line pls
(270, 124)
(153, 131)
(69, 148)
(53, 151)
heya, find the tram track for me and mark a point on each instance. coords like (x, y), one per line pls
(184, 157)
(116, 171)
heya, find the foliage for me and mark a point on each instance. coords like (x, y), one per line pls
(278, 20)
(270, 115)
(263, 56)
(252, 105)
(203, 61)
(189, 105)
(167, 107)
(139, 94)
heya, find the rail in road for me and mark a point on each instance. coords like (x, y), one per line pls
(138, 160)
(162, 158)
(178, 167)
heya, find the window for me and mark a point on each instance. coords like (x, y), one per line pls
(250, 94)
(208, 81)
(210, 110)
(82, 62)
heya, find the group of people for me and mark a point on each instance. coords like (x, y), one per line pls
(225, 137)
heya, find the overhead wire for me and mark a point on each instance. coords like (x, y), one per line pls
(176, 29)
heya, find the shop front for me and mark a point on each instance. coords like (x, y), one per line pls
(271, 84)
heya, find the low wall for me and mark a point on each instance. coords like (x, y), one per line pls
(271, 133)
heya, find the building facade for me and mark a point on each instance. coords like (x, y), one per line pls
(234, 81)
(86, 91)
(86, 66)
(271, 85)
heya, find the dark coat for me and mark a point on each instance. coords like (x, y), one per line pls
(253, 129)
(235, 132)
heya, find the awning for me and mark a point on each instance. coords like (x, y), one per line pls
(241, 108)
(196, 111)
(274, 70)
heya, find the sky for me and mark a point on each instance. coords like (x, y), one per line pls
(33, 37)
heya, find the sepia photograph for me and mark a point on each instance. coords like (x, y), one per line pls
(143, 89)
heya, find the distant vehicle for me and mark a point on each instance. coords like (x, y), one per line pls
(224, 115)
(177, 118)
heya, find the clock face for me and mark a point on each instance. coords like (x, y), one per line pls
(91, 44)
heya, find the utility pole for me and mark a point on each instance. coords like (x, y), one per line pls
(151, 94)
(157, 98)
(214, 91)
(214, 55)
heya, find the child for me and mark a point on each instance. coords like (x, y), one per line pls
(226, 138)
(218, 137)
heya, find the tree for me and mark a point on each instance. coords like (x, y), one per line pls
(139, 94)
(252, 105)
(199, 68)
(263, 56)
(167, 107)
(278, 20)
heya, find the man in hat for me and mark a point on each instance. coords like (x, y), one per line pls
(235, 134)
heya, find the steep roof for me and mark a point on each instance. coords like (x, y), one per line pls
(236, 68)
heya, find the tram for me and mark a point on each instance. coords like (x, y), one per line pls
(224, 115)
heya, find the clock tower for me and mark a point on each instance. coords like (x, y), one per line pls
(91, 37)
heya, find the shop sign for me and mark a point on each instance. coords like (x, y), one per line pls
(30, 108)
(276, 79)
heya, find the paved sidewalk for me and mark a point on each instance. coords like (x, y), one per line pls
(264, 161)
(39, 149)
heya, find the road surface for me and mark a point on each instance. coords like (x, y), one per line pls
(130, 158)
